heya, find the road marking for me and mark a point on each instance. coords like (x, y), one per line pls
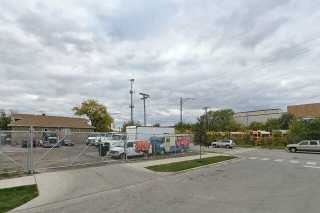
(265, 159)
(252, 158)
(314, 167)
(278, 160)
(294, 161)
(311, 163)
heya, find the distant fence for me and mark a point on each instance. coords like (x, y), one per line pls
(30, 151)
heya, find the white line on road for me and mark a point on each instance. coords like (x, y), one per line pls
(314, 167)
(252, 158)
(311, 163)
(265, 159)
(278, 160)
(294, 161)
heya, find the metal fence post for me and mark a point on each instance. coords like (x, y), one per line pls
(29, 154)
(125, 147)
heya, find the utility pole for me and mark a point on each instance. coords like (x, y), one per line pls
(131, 105)
(181, 104)
(181, 100)
(144, 97)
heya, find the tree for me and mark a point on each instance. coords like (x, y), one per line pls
(304, 130)
(4, 120)
(272, 124)
(200, 133)
(97, 113)
(285, 120)
(256, 126)
(184, 127)
(221, 120)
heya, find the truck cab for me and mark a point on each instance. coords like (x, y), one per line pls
(133, 148)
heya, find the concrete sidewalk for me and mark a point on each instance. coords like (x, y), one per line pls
(20, 181)
(30, 180)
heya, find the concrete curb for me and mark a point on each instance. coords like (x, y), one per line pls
(209, 165)
(20, 181)
(237, 158)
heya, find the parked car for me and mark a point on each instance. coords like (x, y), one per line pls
(49, 140)
(229, 144)
(66, 142)
(305, 145)
(5, 138)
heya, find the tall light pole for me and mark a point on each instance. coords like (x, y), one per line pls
(131, 105)
(181, 105)
(144, 97)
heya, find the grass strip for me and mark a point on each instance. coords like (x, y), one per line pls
(184, 165)
(11, 198)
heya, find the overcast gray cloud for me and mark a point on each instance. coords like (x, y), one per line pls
(244, 55)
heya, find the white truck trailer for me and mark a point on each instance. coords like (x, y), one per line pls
(146, 132)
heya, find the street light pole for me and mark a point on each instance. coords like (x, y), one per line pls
(144, 97)
(181, 106)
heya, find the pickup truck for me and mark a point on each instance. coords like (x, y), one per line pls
(49, 140)
(305, 145)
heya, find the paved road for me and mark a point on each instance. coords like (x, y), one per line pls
(260, 181)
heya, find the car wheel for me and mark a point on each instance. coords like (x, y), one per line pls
(228, 147)
(293, 149)
(122, 156)
(214, 146)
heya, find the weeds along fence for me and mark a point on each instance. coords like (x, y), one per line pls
(33, 151)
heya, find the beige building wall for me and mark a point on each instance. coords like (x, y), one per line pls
(261, 116)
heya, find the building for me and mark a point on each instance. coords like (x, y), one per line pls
(261, 116)
(305, 111)
(21, 123)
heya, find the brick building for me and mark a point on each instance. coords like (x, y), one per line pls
(305, 111)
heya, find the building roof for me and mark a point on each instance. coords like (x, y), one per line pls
(305, 110)
(48, 121)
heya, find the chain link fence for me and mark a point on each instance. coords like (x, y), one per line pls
(34, 151)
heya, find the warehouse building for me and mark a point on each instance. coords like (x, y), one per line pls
(261, 116)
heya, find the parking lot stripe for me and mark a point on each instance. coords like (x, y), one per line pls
(252, 158)
(265, 159)
(311, 163)
(314, 167)
(294, 161)
(278, 160)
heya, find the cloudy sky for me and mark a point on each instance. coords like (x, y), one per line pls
(243, 54)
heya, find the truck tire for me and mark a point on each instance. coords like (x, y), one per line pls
(293, 149)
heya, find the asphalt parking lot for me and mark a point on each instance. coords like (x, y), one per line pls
(259, 181)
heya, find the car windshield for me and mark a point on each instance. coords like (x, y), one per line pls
(51, 134)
